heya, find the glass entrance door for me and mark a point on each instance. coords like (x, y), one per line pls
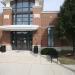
(21, 40)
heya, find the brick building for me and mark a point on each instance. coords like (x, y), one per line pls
(24, 24)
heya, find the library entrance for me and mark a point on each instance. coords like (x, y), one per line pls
(21, 40)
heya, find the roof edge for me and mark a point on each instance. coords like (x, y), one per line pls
(50, 11)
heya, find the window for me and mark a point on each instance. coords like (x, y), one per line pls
(24, 19)
(51, 36)
(22, 10)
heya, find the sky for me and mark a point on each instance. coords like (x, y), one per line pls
(52, 5)
(49, 5)
(1, 7)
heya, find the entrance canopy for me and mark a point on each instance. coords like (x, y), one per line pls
(19, 27)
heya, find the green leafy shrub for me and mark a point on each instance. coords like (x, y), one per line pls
(48, 51)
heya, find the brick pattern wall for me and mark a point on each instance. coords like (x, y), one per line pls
(37, 21)
(7, 16)
(47, 19)
(40, 37)
(1, 19)
(1, 22)
(7, 20)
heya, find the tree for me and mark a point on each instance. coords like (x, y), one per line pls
(66, 21)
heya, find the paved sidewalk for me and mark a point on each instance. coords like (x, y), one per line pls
(35, 69)
(26, 63)
(24, 57)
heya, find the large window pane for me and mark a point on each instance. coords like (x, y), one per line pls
(18, 23)
(14, 17)
(51, 36)
(19, 19)
(19, 15)
(19, 5)
(25, 15)
(25, 23)
(25, 19)
(31, 4)
(22, 10)
(19, 10)
(25, 9)
(25, 4)
(30, 19)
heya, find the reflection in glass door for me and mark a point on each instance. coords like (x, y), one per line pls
(21, 40)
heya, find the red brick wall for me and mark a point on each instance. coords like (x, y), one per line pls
(37, 21)
(1, 19)
(5, 37)
(50, 19)
(40, 37)
(6, 21)
(47, 19)
(7, 11)
(1, 22)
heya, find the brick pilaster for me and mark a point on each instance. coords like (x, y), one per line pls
(7, 20)
(7, 16)
(37, 21)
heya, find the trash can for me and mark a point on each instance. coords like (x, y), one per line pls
(3, 48)
(35, 49)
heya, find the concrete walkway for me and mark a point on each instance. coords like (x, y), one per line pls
(25, 57)
(26, 63)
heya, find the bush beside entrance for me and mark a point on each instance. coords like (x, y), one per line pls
(51, 52)
(48, 51)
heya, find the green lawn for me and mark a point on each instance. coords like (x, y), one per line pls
(66, 60)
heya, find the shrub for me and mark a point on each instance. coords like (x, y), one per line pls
(45, 51)
(48, 51)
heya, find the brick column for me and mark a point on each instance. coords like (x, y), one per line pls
(37, 21)
(7, 16)
(7, 20)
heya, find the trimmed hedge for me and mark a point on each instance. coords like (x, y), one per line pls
(48, 51)
(52, 51)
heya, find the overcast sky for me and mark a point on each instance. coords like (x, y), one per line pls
(52, 5)
(1, 7)
(49, 5)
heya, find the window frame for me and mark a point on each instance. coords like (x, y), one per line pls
(21, 12)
